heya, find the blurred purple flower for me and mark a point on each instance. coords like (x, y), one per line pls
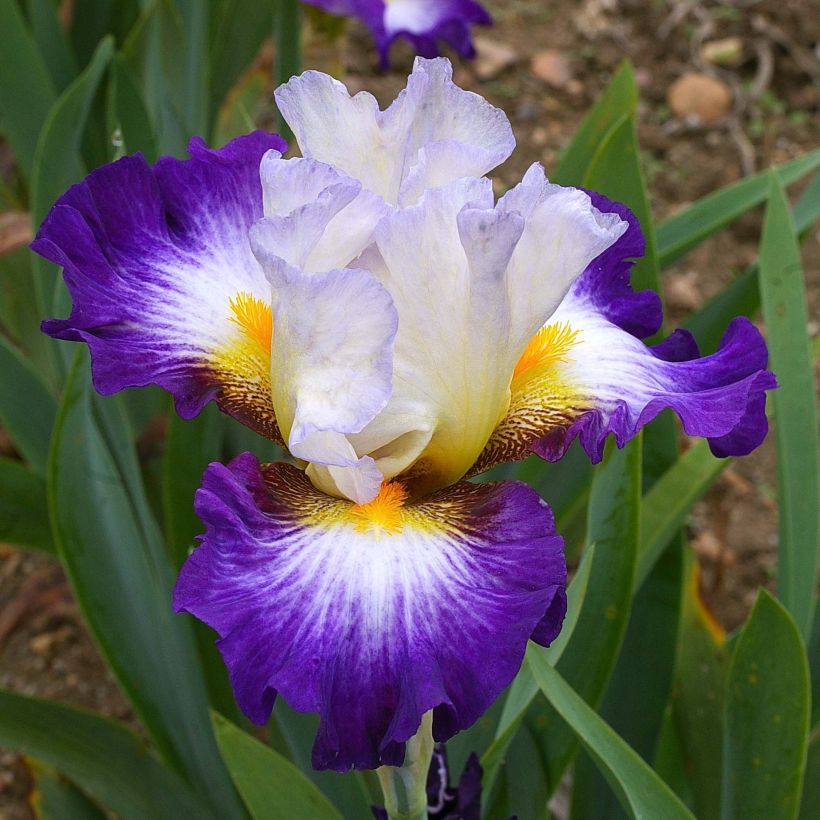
(425, 23)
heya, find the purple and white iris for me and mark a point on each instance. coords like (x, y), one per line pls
(374, 309)
(425, 23)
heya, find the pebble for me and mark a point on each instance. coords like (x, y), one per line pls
(492, 57)
(727, 52)
(552, 67)
(698, 97)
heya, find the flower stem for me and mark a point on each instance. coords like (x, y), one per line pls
(405, 787)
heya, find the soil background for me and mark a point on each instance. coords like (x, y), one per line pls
(545, 62)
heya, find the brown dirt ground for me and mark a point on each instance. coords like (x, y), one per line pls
(44, 648)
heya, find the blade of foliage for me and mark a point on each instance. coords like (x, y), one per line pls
(238, 30)
(27, 411)
(244, 106)
(522, 786)
(152, 52)
(524, 688)
(588, 660)
(669, 761)
(145, 408)
(670, 500)
(128, 112)
(767, 717)
(288, 54)
(635, 708)
(686, 229)
(807, 209)
(620, 98)
(58, 163)
(814, 665)
(810, 801)
(565, 484)
(115, 560)
(189, 447)
(700, 675)
(91, 20)
(52, 42)
(638, 691)
(615, 171)
(27, 92)
(23, 507)
(55, 798)
(742, 297)
(101, 756)
(798, 457)
(19, 319)
(57, 160)
(271, 786)
(641, 792)
(240, 439)
(195, 19)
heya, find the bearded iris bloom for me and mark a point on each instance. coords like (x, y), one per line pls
(425, 23)
(371, 307)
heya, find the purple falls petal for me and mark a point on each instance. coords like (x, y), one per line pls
(371, 625)
(152, 257)
(592, 376)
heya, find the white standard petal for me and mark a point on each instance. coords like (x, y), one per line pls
(316, 217)
(564, 232)
(331, 355)
(432, 134)
(471, 288)
(451, 368)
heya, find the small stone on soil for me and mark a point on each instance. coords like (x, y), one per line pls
(699, 97)
(492, 58)
(552, 67)
(728, 51)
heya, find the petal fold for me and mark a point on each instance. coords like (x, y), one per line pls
(371, 615)
(317, 218)
(165, 287)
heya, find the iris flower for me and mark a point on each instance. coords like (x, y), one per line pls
(371, 307)
(425, 23)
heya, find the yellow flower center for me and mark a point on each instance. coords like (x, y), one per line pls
(383, 513)
(254, 317)
(549, 346)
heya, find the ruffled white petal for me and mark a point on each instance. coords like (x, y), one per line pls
(317, 218)
(563, 234)
(332, 355)
(433, 133)
(450, 371)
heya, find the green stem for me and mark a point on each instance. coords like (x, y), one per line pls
(405, 787)
(288, 56)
